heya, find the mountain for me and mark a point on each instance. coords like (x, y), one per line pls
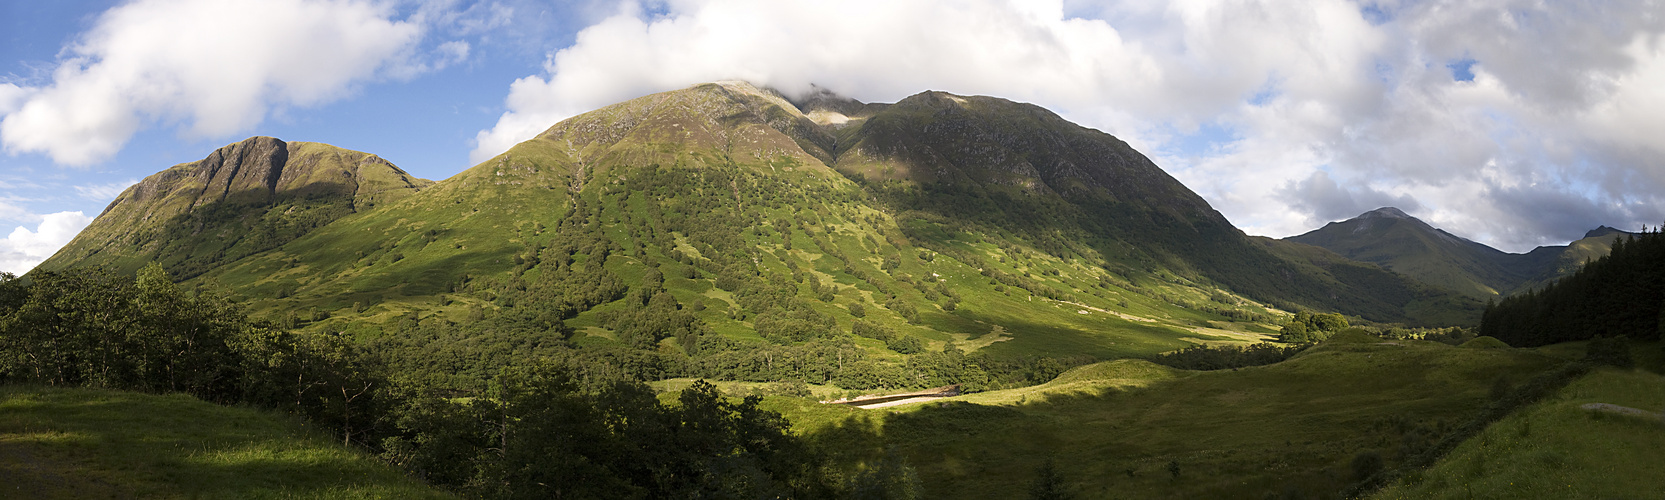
(722, 219)
(243, 199)
(1407, 245)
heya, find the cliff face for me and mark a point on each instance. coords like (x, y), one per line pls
(232, 194)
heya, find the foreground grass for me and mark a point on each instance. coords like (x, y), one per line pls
(1127, 429)
(1556, 449)
(90, 443)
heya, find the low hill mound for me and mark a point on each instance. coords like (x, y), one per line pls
(1484, 343)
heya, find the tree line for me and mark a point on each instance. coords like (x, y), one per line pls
(1622, 294)
(533, 430)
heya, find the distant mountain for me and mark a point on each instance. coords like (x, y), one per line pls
(1407, 245)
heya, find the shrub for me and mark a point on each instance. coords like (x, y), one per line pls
(1614, 351)
(906, 344)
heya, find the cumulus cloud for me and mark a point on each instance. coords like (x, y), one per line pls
(215, 67)
(1326, 200)
(23, 249)
(1329, 106)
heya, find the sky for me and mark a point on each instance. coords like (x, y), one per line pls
(1514, 123)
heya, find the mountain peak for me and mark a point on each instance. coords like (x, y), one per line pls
(1384, 213)
(1602, 231)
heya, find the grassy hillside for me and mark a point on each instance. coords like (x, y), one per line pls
(659, 184)
(708, 230)
(1557, 449)
(1128, 429)
(90, 443)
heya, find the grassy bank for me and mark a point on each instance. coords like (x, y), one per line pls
(1556, 449)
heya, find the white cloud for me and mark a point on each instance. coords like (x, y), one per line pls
(1564, 105)
(24, 249)
(216, 67)
(11, 97)
(11, 211)
(104, 192)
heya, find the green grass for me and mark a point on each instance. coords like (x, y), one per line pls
(1113, 428)
(91, 443)
(1089, 380)
(1555, 449)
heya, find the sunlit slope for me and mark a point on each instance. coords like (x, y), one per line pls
(1042, 239)
(647, 174)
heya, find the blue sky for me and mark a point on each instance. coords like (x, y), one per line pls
(1513, 123)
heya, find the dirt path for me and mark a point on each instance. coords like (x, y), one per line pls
(899, 402)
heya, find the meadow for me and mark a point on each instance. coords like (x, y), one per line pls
(94, 443)
(1296, 429)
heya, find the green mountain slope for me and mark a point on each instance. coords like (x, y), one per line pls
(688, 229)
(1390, 238)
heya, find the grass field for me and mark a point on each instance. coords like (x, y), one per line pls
(1130, 429)
(90, 443)
(1556, 449)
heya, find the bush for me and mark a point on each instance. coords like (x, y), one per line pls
(1226, 357)
(1614, 351)
(1367, 463)
(863, 328)
(906, 344)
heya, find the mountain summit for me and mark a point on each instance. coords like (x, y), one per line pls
(1385, 213)
(242, 199)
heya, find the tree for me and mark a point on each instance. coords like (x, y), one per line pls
(1049, 485)
(890, 479)
(1295, 333)
(905, 344)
